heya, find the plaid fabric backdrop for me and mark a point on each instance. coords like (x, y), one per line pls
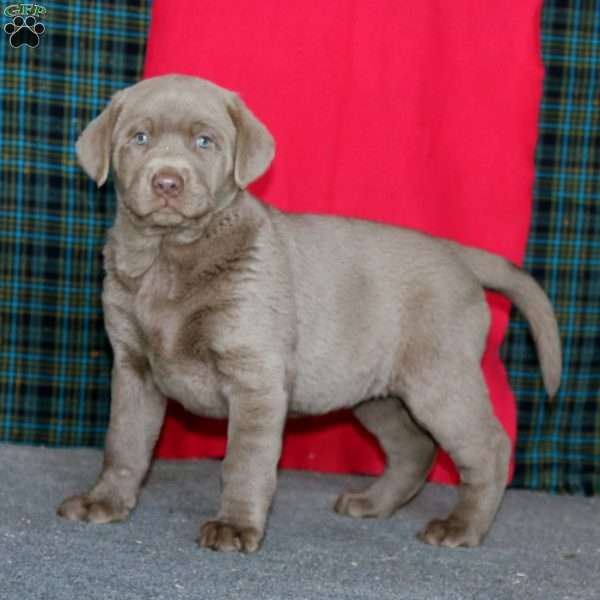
(558, 446)
(54, 357)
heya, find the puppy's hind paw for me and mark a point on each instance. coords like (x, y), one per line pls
(84, 508)
(362, 505)
(451, 533)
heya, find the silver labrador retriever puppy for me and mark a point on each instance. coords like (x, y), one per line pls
(238, 310)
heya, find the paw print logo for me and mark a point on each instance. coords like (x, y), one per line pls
(24, 32)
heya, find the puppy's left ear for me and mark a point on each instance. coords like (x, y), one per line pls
(254, 147)
(94, 143)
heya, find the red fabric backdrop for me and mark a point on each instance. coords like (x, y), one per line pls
(416, 113)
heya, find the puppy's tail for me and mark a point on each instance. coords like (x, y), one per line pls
(499, 274)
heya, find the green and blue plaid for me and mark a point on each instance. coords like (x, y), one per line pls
(558, 446)
(54, 356)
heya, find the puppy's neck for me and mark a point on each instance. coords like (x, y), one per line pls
(132, 249)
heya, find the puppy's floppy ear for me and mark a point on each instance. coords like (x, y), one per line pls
(254, 147)
(94, 143)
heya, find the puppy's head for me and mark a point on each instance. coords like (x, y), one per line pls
(177, 146)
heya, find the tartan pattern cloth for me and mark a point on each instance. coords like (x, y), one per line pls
(54, 358)
(558, 445)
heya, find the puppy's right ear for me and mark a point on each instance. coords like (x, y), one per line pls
(94, 143)
(255, 147)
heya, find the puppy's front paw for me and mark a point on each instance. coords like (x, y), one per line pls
(451, 533)
(84, 508)
(226, 537)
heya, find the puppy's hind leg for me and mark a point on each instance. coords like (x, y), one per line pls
(410, 454)
(450, 400)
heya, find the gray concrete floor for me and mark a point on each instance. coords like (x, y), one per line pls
(541, 546)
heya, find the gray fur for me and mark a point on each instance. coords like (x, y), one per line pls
(238, 310)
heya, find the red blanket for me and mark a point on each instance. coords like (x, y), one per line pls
(416, 113)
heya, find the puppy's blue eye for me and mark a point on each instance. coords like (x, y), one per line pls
(141, 138)
(203, 142)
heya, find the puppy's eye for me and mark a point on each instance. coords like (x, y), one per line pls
(141, 138)
(203, 142)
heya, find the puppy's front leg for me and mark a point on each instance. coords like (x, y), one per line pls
(249, 472)
(136, 415)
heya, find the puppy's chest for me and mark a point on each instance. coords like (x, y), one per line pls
(158, 308)
(177, 328)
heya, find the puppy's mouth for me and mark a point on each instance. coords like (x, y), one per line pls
(167, 216)
(149, 209)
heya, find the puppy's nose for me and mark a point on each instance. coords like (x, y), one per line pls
(169, 184)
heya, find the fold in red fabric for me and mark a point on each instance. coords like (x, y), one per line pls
(421, 114)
